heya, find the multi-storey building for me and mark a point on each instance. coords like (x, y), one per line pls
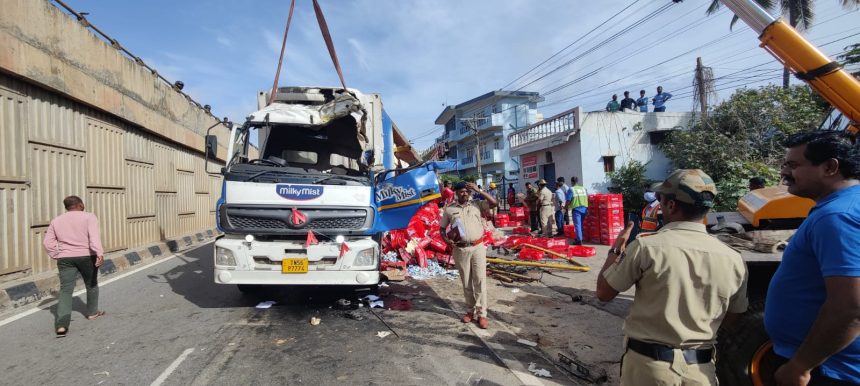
(487, 119)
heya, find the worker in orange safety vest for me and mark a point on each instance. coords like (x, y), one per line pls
(652, 213)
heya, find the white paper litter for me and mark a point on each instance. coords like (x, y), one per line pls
(383, 334)
(371, 298)
(527, 342)
(539, 372)
(315, 321)
(377, 304)
(266, 304)
(515, 290)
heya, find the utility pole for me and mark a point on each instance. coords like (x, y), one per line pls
(472, 123)
(702, 88)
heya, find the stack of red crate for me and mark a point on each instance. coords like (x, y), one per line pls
(517, 216)
(502, 220)
(605, 218)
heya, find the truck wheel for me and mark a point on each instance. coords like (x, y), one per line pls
(741, 347)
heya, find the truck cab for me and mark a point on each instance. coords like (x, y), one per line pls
(297, 204)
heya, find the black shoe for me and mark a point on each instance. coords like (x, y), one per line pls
(577, 242)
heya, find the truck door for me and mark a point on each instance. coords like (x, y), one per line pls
(399, 193)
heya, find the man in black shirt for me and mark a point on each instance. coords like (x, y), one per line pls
(628, 102)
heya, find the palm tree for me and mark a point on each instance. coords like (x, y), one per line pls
(801, 14)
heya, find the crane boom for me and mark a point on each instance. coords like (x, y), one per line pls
(808, 63)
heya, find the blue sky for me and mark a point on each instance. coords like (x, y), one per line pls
(423, 54)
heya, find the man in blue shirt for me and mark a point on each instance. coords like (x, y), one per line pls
(568, 195)
(812, 311)
(642, 102)
(559, 200)
(660, 99)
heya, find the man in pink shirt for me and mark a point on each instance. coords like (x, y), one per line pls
(73, 240)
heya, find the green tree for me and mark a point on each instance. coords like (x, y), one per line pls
(742, 137)
(800, 13)
(851, 57)
(630, 181)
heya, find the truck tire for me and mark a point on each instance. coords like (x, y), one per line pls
(740, 347)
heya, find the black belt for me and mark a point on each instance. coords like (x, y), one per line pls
(466, 244)
(667, 354)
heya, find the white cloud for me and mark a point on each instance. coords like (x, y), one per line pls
(224, 41)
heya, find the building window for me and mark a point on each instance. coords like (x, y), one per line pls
(608, 163)
(497, 145)
(658, 137)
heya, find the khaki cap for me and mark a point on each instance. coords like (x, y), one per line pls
(687, 185)
(541, 181)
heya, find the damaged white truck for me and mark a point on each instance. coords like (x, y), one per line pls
(310, 203)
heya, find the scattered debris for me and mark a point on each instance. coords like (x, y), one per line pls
(383, 334)
(398, 304)
(354, 315)
(266, 304)
(539, 372)
(433, 269)
(581, 370)
(527, 342)
(315, 321)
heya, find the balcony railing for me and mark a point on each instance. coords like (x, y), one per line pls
(560, 123)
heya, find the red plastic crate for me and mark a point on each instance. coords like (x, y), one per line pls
(581, 251)
(530, 254)
(556, 242)
(501, 223)
(502, 216)
(518, 213)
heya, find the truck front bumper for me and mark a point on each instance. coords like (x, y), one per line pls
(259, 262)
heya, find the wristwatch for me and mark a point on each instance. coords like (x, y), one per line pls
(615, 251)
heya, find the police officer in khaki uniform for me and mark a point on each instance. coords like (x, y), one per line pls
(546, 208)
(534, 209)
(687, 284)
(470, 254)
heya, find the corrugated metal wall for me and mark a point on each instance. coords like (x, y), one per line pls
(109, 207)
(14, 246)
(143, 189)
(141, 194)
(165, 215)
(57, 173)
(13, 136)
(105, 155)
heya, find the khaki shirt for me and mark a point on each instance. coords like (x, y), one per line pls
(545, 198)
(685, 281)
(469, 214)
(532, 199)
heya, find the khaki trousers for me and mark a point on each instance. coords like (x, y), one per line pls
(547, 219)
(640, 370)
(472, 264)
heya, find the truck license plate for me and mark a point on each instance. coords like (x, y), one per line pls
(294, 265)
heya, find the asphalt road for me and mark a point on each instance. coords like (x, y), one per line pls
(170, 324)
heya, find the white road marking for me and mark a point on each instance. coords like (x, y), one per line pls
(79, 292)
(170, 369)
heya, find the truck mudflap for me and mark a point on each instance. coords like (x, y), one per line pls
(399, 193)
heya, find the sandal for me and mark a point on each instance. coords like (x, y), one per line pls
(61, 332)
(97, 314)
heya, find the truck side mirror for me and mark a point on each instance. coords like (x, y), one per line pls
(211, 146)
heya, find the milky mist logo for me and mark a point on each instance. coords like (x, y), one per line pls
(299, 192)
(399, 193)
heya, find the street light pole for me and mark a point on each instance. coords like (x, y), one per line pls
(472, 123)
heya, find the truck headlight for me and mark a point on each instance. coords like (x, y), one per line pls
(224, 256)
(365, 257)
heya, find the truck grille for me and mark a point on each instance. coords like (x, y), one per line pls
(257, 223)
(278, 220)
(338, 223)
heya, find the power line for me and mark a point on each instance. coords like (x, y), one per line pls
(571, 44)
